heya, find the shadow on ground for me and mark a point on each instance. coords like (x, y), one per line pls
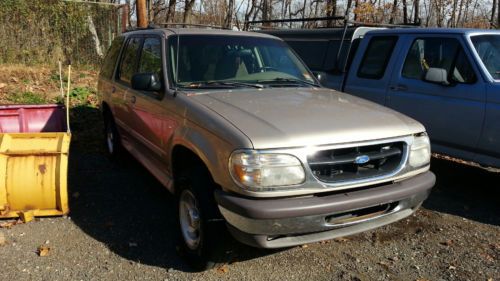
(122, 205)
(465, 191)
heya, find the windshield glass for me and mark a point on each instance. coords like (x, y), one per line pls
(488, 49)
(234, 61)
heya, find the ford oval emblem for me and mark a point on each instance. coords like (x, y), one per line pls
(362, 159)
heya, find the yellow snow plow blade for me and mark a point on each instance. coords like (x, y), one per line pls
(33, 173)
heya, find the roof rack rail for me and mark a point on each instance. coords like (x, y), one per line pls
(160, 25)
(296, 20)
(334, 18)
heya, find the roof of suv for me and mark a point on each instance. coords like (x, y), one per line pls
(199, 31)
(434, 31)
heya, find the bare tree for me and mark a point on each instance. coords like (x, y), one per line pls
(171, 10)
(188, 11)
(405, 12)
(493, 9)
(331, 11)
(416, 14)
(393, 11)
(229, 14)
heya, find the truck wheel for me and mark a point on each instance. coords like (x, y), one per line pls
(111, 136)
(199, 231)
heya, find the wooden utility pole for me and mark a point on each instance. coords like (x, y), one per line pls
(142, 18)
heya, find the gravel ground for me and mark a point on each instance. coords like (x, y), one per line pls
(121, 227)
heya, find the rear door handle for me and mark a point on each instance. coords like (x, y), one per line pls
(133, 99)
(399, 87)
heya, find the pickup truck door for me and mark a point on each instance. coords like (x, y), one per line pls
(487, 51)
(453, 114)
(371, 70)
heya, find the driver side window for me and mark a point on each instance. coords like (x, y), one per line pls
(442, 53)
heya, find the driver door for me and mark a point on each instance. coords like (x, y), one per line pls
(452, 114)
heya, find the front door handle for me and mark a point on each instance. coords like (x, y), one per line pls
(399, 87)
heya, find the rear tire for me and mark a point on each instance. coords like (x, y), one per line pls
(111, 136)
(199, 221)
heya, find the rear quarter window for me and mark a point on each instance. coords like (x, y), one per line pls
(377, 57)
(311, 52)
(109, 61)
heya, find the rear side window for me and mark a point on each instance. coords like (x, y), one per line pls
(311, 52)
(128, 64)
(444, 53)
(109, 63)
(377, 57)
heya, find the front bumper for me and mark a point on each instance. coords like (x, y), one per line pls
(284, 222)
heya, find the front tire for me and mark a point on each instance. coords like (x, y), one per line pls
(199, 220)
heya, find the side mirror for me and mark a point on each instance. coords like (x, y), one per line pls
(146, 82)
(437, 75)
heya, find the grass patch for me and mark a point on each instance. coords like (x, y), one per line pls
(26, 98)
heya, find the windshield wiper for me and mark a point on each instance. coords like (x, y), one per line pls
(294, 81)
(216, 84)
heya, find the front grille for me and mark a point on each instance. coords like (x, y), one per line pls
(357, 163)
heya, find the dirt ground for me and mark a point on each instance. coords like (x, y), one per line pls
(121, 227)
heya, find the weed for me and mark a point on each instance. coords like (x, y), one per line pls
(26, 98)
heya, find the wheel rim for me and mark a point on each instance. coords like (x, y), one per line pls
(189, 218)
(110, 139)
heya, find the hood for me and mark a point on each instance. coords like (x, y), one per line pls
(296, 117)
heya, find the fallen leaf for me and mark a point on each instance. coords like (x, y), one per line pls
(324, 242)
(304, 246)
(2, 239)
(223, 269)
(487, 257)
(340, 239)
(451, 267)
(8, 224)
(2, 85)
(43, 251)
(446, 243)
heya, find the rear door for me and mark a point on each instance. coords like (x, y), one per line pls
(452, 114)
(121, 99)
(370, 73)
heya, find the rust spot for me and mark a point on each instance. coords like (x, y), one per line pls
(42, 168)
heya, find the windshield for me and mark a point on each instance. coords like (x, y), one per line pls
(234, 61)
(488, 49)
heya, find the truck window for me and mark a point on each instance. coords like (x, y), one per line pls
(488, 49)
(377, 57)
(445, 53)
(312, 52)
(110, 60)
(128, 64)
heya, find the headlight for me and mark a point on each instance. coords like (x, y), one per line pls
(257, 170)
(420, 151)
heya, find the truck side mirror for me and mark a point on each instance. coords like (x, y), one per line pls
(437, 75)
(146, 82)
